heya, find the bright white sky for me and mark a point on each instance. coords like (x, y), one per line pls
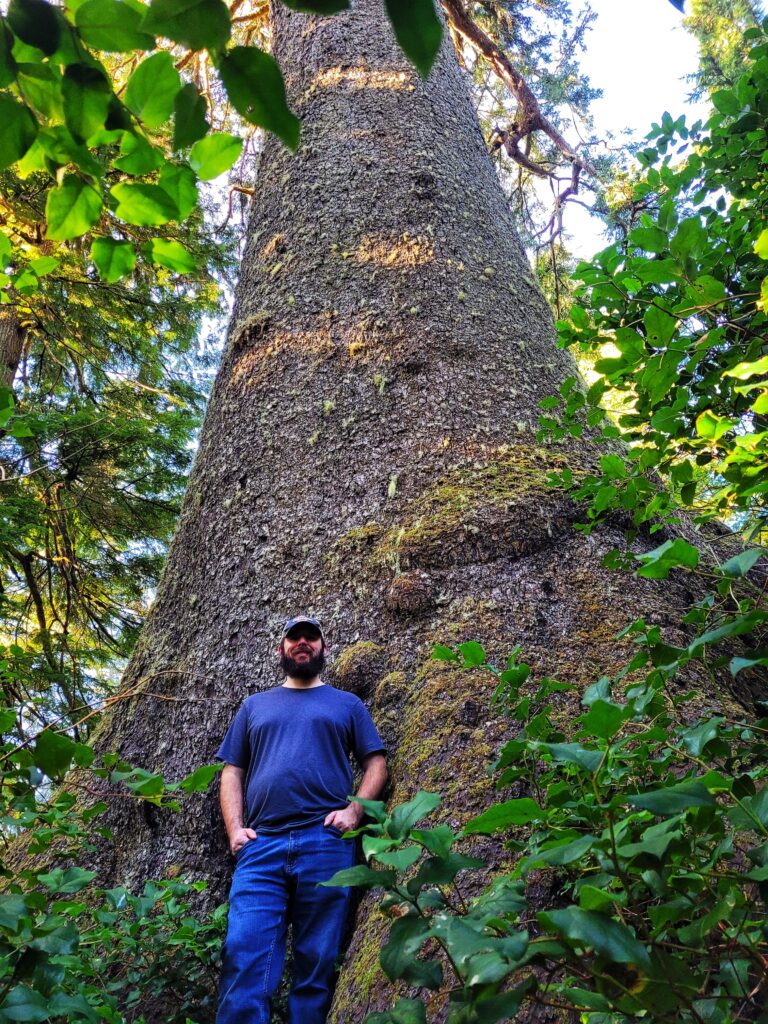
(638, 53)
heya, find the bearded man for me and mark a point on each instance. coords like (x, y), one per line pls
(285, 801)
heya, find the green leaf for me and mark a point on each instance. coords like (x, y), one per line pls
(67, 880)
(740, 564)
(669, 555)
(650, 239)
(760, 247)
(144, 205)
(659, 326)
(254, 84)
(200, 779)
(196, 24)
(418, 31)
(697, 737)
(178, 181)
(25, 1004)
(35, 23)
(112, 259)
(739, 664)
(53, 753)
(87, 95)
(592, 898)
(7, 62)
(363, 877)
(152, 89)
(502, 816)
(168, 253)
(472, 653)
(442, 653)
(438, 840)
(214, 154)
(573, 753)
(674, 799)
(405, 1011)
(565, 852)
(71, 209)
(137, 155)
(604, 719)
(711, 427)
(189, 120)
(744, 370)
(398, 957)
(586, 928)
(18, 129)
(405, 816)
(113, 26)
(726, 102)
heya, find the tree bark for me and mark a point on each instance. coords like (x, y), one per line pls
(370, 456)
(11, 346)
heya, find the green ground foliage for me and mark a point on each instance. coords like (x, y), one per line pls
(646, 825)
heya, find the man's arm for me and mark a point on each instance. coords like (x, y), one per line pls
(231, 800)
(372, 785)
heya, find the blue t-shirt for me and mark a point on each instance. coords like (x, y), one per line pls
(294, 746)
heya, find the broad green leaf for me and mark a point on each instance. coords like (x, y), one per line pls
(504, 815)
(152, 89)
(604, 719)
(199, 780)
(560, 853)
(737, 626)
(726, 102)
(674, 799)
(697, 737)
(740, 564)
(214, 154)
(739, 664)
(442, 653)
(35, 23)
(178, 181)
(196, 24)
(113, 26)
(113, 259)
(473, 654)
(573, 753)
(41, 88)
(592, 898)
(650, 239)
(44, 265)
(398, 957)
(442, 870)
(67, 880)
(18, 129)
(711, 427)
(438, 840)
(53, 753)
(255, 86)
(25, 1004)
(168, 253)
(659, 326)
(669, 555)
(363, 877)
(405, 1011)
(744, 370)
(418, 31)
(613, 467)
(144, 205)
(12, 910)
(405, 816)
(137, 155)
(760, 247)
(87, 94)
(7, 62)
(189, 120)
(401, 859)
(71, 208)
(586, 928)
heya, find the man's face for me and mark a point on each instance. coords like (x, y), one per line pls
(302, 653)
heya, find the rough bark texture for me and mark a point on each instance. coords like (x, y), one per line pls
(369, 456)
(11, 346)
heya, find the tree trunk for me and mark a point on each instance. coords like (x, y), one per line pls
(11, 346)
(369, 455)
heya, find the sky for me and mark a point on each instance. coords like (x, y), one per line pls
(638, 53)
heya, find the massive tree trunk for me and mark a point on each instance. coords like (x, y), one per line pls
(370, 456)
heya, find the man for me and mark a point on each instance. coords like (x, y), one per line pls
(287, 759)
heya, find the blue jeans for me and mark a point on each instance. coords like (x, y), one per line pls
(275, 883)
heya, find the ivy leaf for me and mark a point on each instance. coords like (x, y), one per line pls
(255, 86)
(740, 564)
(67, 880)
(152, 88)
(71, 209)
(504, 815)
(196, 24)
(35, 23)
(215, 154)
(25, 1004)
(418, 31)
(674, 799)
(113, 26)
(189, 120)
(113, 259)
(172, 255)
(610, 939)
(18, 129)
(178, 181)
(669, 555)
(87, 95)
(144, 205)
(53, 753)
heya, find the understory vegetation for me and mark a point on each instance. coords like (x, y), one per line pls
(646, 824)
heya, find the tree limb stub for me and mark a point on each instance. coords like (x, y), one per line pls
(529, 116)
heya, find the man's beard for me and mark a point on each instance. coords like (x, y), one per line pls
(308, 669)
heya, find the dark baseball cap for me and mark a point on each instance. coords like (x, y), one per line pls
(302, 620)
